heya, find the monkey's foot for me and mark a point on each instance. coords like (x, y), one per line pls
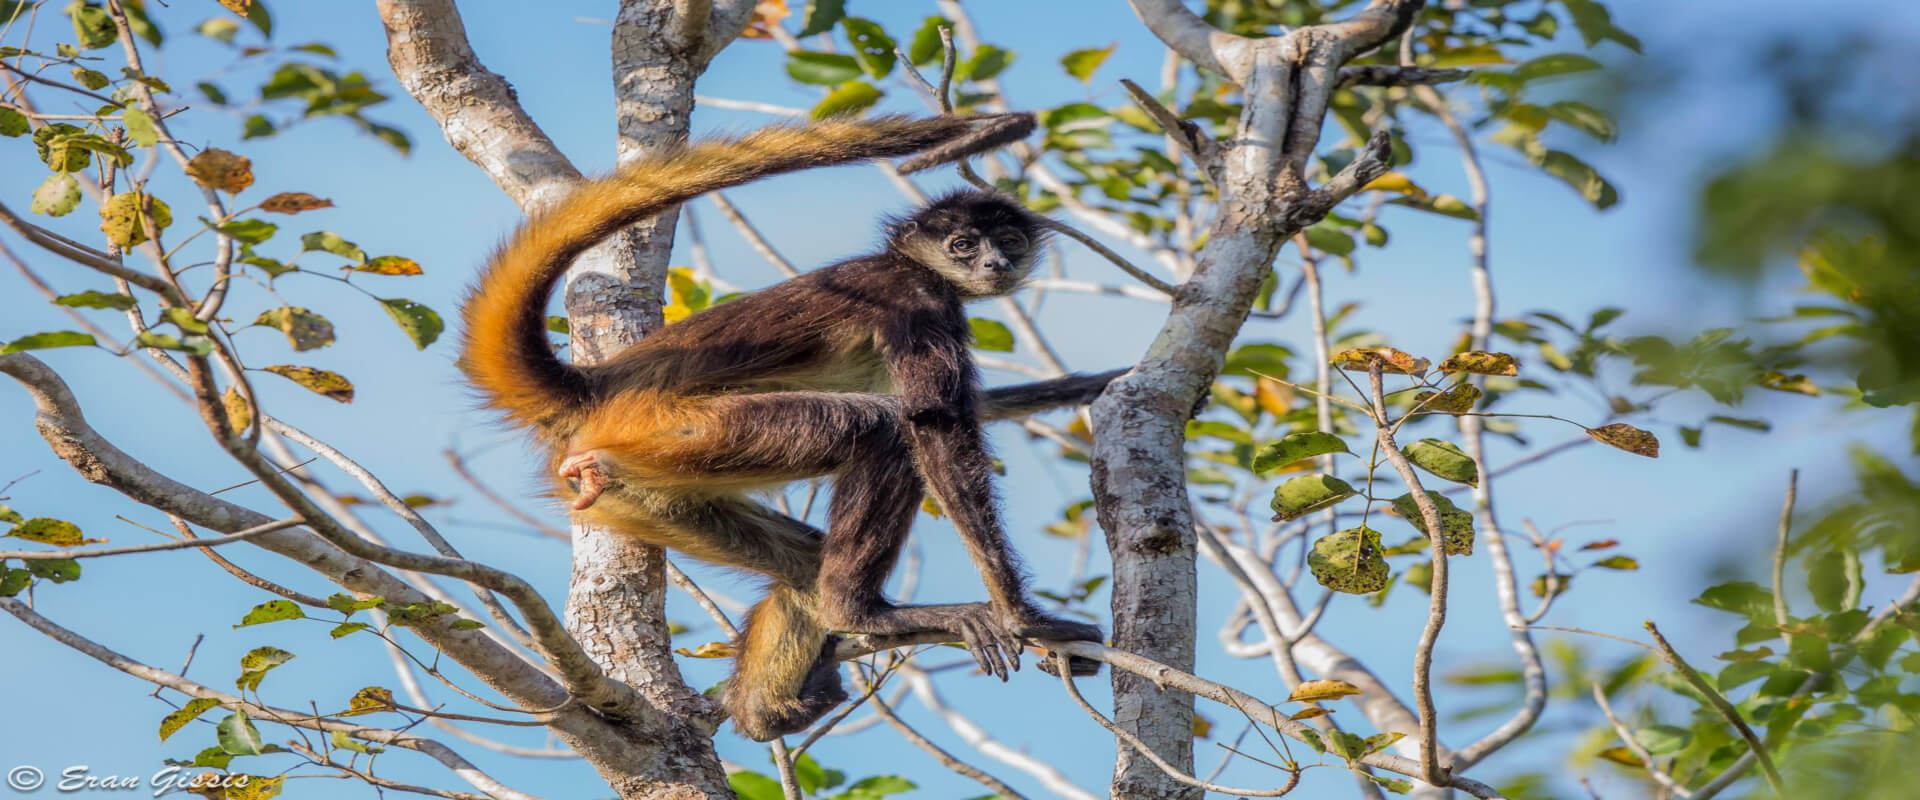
(1079, 667)
(584, 470)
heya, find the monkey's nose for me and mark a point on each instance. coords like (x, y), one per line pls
(1000, 265)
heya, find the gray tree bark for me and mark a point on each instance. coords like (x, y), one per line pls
(1139, 478)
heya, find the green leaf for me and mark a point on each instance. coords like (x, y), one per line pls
(1306, 494)
(1330, 238)
(1348, 561)
(879, 786)
(1395, 785)
(927, 47)
(187, 713)
(991, 335)
(1218, 430)
(348, 628)
(13, 581)
(238, 737)
(1296, 447)
(257, 126)
(9, 515)
(251, 231)
(1583, 178)
(348, 604)
(1832, 576)
(850, 98)
(1553, 64)
(197, 345)
(1584, 118)
(330, 242)
(92, 26)
(1740, 597)
(57, 196)
(13, 123)
(341, 740)
(1082, 63)
(420, 323)
(822, 69)
(57, 570)
(1444, 460)
(872, 47)
(1624, 563)
(271, 611)
(1258, 358)
(140, 127)
(42, 341)
(1662, 739)
(96, 300)
(184, 320)
(821, 16)
(255, 665)
(754, 786)
(987, 62)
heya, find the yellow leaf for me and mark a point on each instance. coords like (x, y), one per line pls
(330, 385)
(1457, 400)
(708, 650)
(1628, 438)
(1308, 713)
(1621, 755)
(932, 507)
(126, 217)
(1481, 363)
(1396, 182)
(390, 265)
(1202, 727)
(1316, 691)
(1272, 396)
(219, 169)
(239, 414)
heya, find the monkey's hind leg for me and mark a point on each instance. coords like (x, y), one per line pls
(784, 676)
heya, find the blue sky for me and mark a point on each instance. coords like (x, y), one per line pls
(1681, 515)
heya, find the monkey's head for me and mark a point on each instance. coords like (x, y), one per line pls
(983, 243)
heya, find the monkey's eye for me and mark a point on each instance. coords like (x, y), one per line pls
(1013, 243)
(962, 245)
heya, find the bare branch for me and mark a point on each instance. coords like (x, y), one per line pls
(1209, 48)
(439, 752)
(182, 544)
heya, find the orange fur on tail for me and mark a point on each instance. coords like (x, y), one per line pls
(505, 352)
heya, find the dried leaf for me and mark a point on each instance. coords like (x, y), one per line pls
(219, 169)
(294, 203)
(369, 700)
(1458, 400)
(304, 329)
(239, 414)
(1628, 438)
(390, 265)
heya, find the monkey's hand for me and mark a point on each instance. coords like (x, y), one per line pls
(992, 643)
(588, 477)
(1031, 623)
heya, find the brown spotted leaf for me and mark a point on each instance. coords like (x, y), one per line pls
(390, 265)
(294, 203)
(1309, 713)
(1628, 438)
(1349, 561)
(304, 329)
(1316, 691)
(1479, 362)
(330, 385)
(1391, 361)
(1457, 400)
(369, 700)
(126, 217)
(219, 169)
(1443, 459)
(239, 414)
(187, 713)
(1456, 524)
(47, 530)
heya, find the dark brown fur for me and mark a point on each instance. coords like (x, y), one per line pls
(789, 383)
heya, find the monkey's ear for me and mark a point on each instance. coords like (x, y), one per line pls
(902, 229)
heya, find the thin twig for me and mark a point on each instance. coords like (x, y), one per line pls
(181, 544)
(1659, 775)
(1781, 613)
(1720, 704)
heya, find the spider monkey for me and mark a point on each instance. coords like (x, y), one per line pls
(859, 371)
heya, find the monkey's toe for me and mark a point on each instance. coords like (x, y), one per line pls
(1079, 667)
(589, 480)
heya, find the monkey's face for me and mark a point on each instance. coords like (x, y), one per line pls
(985, 262)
